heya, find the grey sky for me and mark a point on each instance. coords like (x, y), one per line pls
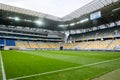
(58, 8)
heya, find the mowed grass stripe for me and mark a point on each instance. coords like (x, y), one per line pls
(91, 54)
(69, 58)
(85, 73)
(19, 64)
(79, 59)
(67, 69)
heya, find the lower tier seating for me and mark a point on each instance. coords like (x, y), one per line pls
(100, 44)
(20, 44)
(114, 43)
(33, 44)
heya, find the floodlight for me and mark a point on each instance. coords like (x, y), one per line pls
(78, 22)
(72, 24)
(39, 22)
(84, 20)
(27, 20)
(16, 18)
(63, 25)
(10, 18)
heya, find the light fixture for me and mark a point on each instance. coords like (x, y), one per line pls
(84, 20)
(78, 22)
(10, 18)
(39, 22)
(27, 20)
(16, 18)
(72, 24)
(63, 25)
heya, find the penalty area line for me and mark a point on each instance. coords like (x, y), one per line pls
(2, 66)
(66, 69)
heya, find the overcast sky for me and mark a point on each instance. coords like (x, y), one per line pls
(58, 8)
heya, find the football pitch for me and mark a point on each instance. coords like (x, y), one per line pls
(57, 65)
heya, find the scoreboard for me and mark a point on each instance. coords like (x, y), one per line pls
(95, 15)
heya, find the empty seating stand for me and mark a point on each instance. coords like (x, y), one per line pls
(10, 42)
(2, 42)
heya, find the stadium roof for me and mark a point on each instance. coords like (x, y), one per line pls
(88, 8)
(92, 6)
(57, 8)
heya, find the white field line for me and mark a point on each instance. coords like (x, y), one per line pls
(66, 69)
(2, 66)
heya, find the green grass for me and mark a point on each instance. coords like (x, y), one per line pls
(24, 63)
(19, 64)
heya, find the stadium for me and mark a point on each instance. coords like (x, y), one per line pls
(82, 45)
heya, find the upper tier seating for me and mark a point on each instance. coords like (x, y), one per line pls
(109, 32)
